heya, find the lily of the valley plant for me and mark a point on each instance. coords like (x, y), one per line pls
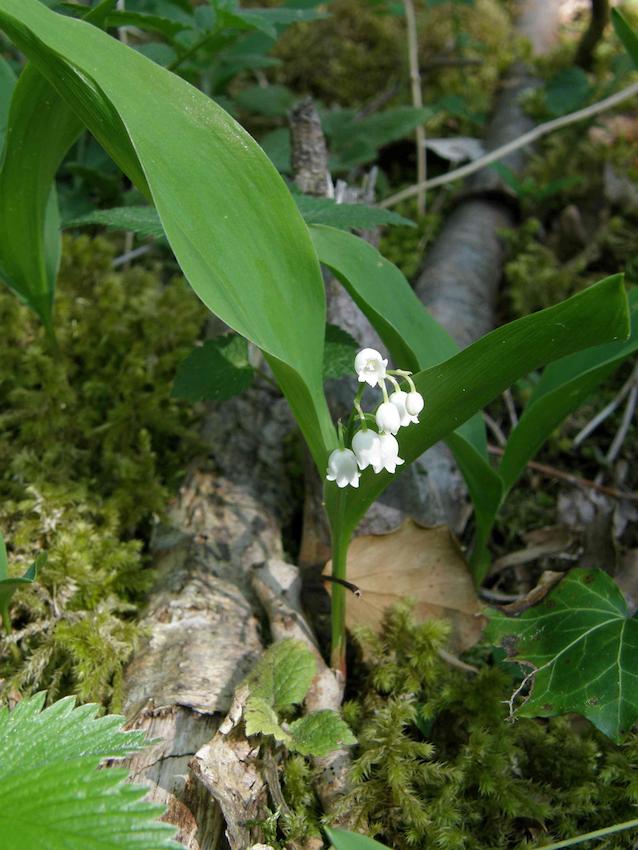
(377, 449)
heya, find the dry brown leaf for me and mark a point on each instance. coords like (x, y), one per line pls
(424, 564)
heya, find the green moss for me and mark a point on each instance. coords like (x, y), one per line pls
(91, 445)
(439, 764)
(406, 246)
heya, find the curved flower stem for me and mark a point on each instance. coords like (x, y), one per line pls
(340, 543)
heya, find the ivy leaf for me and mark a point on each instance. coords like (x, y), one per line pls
(52, 794)
(283, 674)
(215, 371)
(339, 352)
(9, 584)
(261, 719)
(584, 651)
(319, 733)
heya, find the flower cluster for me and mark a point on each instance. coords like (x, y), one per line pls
(379, 448)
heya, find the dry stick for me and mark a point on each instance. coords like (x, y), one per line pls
(526, 139)
(607, 410)
(628, 415)
(417, 100)
(576, 480)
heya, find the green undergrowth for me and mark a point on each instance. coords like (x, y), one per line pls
(91, 447)
(440, 765)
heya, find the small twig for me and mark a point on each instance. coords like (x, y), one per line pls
(417, 101)
(497, 596)
(576, 480)
(522, 141)
(453, 661)
(378, 101)
(607, 410)
(628, 415)
(126, 258)
(511, 407)
(496, 430)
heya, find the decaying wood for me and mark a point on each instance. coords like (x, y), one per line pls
(202, 620)
(309, 152)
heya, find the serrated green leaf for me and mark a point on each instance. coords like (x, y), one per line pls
(261, 719)
(215, 371)
(626, 34)
(53, 795)
(147, 22)
(567, 91)
(276, 146)
(9, 584)
(346, 216)
(283, 674)
(319, 733)
(339, 352)
(143, 221)
(584, 651)
(343, 840)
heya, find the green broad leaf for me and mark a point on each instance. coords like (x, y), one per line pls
(339, 353)
(583, 649)
(143, 221)
(343, 840)
(319, 733)
(228, 216)
(272, 101)
(53, 795)
(7, 85)
(346, 216)
(563, 387)
(283, 674)
(215, 371)
(567, 91)
(149, 23)
(261, 719)
(626, 34)
(459, 387)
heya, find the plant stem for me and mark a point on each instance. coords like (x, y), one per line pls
(338, 617)
(589, 836)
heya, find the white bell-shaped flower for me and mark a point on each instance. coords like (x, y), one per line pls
(370, 366)
(342, 468)
(389, 453)
(367, 448)
(398, 399)
(414, 404)
(388, 418)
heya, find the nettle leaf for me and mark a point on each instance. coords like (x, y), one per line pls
(346, 216)
(215, 371)
(143, 221)
(339, 352)
(584, 650)
(52, 793)
(283, 674)
(319, 733)
(261, 719)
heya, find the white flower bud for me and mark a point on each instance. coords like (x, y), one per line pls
(370, 366)
(342, 468)
(388, 418)
(367, 447)
(414, 404)
(398, 399)
(389, 453)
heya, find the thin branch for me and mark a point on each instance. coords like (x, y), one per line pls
(627, 418)
(606, 412)
(417, 100)
(511, 407)
(597, 22)
(496, 430)
(576, 480)
(526, 139)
